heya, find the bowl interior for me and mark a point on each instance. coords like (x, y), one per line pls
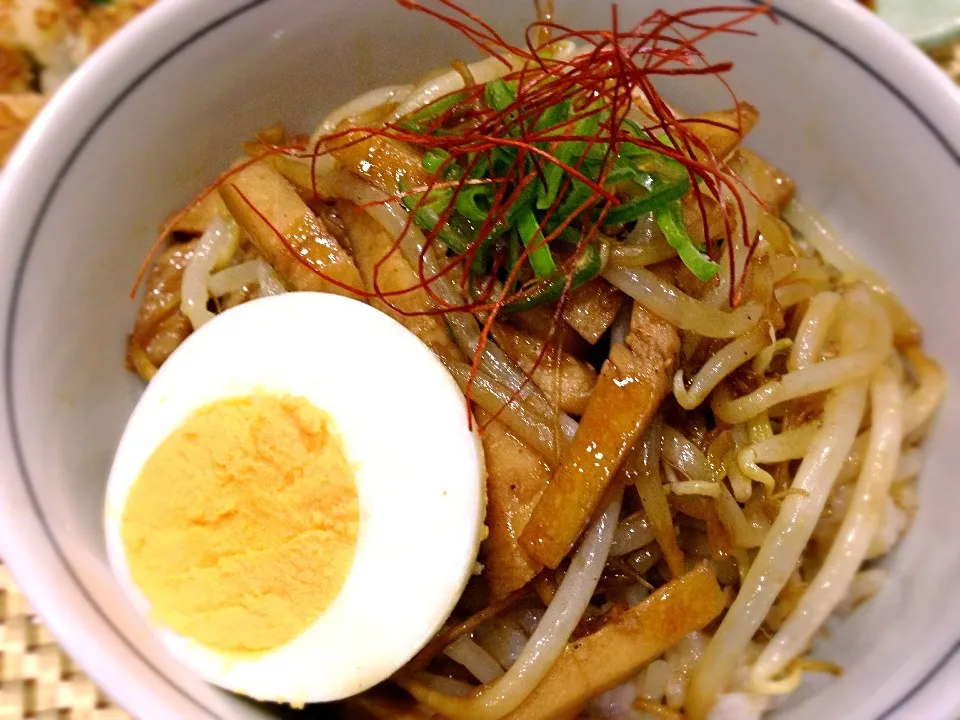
(125, 147)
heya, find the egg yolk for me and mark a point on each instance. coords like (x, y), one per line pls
(242, 526)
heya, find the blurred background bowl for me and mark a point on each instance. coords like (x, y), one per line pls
(930, 23)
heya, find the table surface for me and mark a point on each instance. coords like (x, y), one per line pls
(38, 680)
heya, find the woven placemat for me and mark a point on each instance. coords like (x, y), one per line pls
(39, 681)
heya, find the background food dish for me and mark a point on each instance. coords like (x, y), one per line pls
(41, 43)
(931, 23)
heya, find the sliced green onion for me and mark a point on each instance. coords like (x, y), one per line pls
(569, 235)
(480, 168)
(434, 159)
(554, 117)
(646, 180)
(578, 194)
(627, 171)
(660, 194)
(664, 139)
(419, 119)
(632, 150)
(538, 252)
(456, 233)
(481, 259)
(566, 153)
(498, 95)
(633, 128)
(523, 201)
(474, 202)
(513, 250)
(670, 221)
(589, 265)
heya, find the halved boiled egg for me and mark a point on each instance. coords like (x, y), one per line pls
(298, 498)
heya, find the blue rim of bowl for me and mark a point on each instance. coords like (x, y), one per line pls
(134, 85)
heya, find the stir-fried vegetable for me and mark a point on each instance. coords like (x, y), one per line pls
(515, 478)
(719, 132)
(616, 652)
(565, 380)
(631, 386)
(292, 239)
(382, 268)
(591, 309)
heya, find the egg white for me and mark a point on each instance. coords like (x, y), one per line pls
(418, 466)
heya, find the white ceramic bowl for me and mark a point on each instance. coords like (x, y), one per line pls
(867, 126)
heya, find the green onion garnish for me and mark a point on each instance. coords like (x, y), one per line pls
(670, 221)
(549, 171)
